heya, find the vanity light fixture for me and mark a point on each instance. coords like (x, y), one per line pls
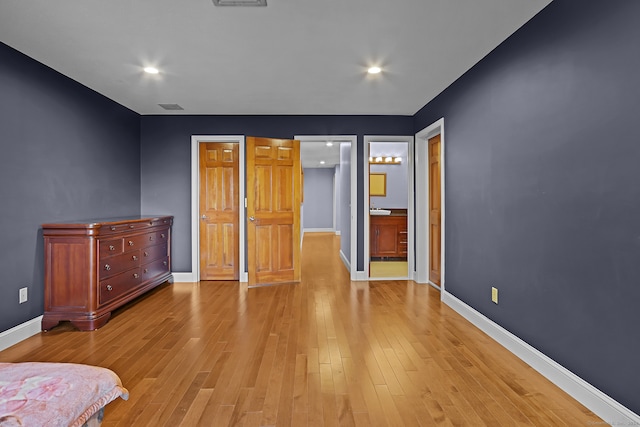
(322, 162)
(151, 70)
(385, 160)
(329, 144)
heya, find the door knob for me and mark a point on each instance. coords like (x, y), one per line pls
(251, 218)
(203, 217)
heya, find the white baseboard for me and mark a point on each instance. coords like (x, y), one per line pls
(595, 400)
(361, 276)
(21, 332)
(345, 261)
(184, 277)
(318, 230)
(191, 278)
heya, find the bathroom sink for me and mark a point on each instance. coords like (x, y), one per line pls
(379, 212)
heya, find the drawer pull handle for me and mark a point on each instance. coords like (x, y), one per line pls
(403, 232)
(146, 270)
(107, 267)
(162, 236)
(109, 287)
(146, 253)
(130, 242)
(113, 228)
(112, 248)
(150, 222)
(136, 275)
(151, 238)
(164, 263)
(135, 258)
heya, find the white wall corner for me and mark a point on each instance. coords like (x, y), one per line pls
(611, 411)
(21, 332)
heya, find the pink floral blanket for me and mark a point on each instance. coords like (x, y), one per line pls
(54, 394)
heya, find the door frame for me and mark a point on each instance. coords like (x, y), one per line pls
(195, 202)
(422, 202)
(353, 139)
(410, 205)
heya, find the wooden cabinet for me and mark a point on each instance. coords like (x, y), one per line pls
(94, 267)
(388, 237)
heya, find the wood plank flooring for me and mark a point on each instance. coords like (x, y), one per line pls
(323, 352)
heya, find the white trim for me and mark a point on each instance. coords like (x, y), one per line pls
(20, 332)
(318, 230)
(337, 232)
(345, 261)
(595, 400)
(410, 204)
(184, 277)
(353, 140)
(361, 276)
(422, 201)
(195, 200)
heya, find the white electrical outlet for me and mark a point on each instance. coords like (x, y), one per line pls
(24, 296)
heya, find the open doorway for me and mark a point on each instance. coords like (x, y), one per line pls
(389, 207)
(430, 204)
(330, 200)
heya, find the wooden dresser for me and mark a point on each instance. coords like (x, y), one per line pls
(93, 267)
(388, 237)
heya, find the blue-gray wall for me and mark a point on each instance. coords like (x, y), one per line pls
(67, 153)
(543, 188)
(166, 158)
(318, 198)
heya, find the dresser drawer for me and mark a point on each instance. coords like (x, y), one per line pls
(159, 237)
(145, 240)
(120, 228)
(119, 263)
(155, 268)
(154, 252)
(110, 247)
(118, 285)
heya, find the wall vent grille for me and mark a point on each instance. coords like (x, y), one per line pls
(240, 2)
(171, 107)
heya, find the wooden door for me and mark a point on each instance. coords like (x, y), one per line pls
(219, 211)
(273, 210)
(435, 203)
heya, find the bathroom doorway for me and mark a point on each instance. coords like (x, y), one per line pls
(389, 198)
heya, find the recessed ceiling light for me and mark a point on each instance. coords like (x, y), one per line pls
(151, 70)
(329, 144)
(322, 162)
(374, 70)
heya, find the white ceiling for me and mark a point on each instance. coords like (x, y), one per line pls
(291, 57)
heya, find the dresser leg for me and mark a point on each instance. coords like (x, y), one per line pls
(48, 323)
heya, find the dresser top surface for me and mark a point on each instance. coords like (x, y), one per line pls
(99, 222)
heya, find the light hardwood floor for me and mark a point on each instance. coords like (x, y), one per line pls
(326, 351)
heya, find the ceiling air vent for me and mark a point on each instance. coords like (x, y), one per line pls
(240, 2)
(171, 107)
